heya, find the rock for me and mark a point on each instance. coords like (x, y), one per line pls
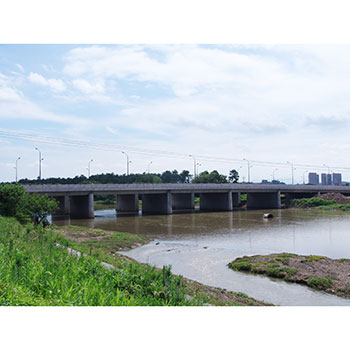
(268, 216)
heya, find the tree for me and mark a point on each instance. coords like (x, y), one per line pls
(213, 177)
(15, 201)
(40, 207)
(234, 176)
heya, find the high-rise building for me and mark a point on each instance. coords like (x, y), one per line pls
(313, 179)
(329, 179)
(323, 179)
(337, 179)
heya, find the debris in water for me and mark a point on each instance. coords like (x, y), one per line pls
(268, 216)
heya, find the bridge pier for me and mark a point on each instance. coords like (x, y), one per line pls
(63, 206)
(236, 199)
(216, 201)
(127, 202)
(82, 207)
(182, 201)
(157, 203)
(264, 200)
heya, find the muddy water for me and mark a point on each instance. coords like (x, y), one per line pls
(200, 245)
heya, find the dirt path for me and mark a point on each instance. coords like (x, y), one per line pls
(318, 272)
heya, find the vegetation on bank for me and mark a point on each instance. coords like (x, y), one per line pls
(317, 272)
(16, 202)
(42, 265)
(38, 269)
(319, 203)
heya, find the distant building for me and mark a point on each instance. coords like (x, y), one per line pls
(329, 180)
(336, 179)
(313, 179)
(323, 179)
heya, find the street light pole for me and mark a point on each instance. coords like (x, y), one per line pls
(88, 168)
(198, 165)
(305, 172)
(194, 165)
(149, 166)
(127, 162)
(273, 174)
(40, 159)
(248, 169)
(292, 172)
(16, 167)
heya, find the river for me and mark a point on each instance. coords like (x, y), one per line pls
(200, 245)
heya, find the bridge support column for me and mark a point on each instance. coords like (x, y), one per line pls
(216, 201)
(127, 202)
(182, 200)
(63, 206)
(82, 207)
(157, 203)
(236, 199)
(264, 200)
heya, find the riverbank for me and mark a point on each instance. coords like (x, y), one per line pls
(317, 272)
(105, 244)
(37, 269)
(326, 201)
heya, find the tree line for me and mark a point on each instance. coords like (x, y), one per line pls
(165, 177)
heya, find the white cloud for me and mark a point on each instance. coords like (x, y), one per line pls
(20, 67)
(87, 87)
(55, 84)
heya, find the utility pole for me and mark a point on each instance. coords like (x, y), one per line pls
(40, 159)
(16, 167)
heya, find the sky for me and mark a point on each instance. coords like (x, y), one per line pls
(264, 103)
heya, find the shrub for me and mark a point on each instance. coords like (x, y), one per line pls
(16, 202)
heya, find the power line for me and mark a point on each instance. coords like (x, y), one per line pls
(159, 153)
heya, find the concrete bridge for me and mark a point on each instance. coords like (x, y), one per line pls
(77, 201)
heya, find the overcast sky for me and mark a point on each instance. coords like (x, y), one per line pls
(265, 103)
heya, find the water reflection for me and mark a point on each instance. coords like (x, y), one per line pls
(199, 246)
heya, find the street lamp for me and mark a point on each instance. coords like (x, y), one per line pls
(248, 169)
(194, 164)
(305, 172)
(127, 162)
(198, 165)
(16, 167)
(149, 166)
(292, 166)
(327, 167)
(40, 159)
(88, 168)
(273, 174)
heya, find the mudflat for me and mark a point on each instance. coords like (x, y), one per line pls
(317, 272)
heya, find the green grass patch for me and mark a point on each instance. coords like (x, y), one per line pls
(35, 271)
(311, 258)
(320, 282)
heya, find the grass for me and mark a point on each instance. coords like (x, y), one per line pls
(319, 203)
(37, 269)
(320, 282)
